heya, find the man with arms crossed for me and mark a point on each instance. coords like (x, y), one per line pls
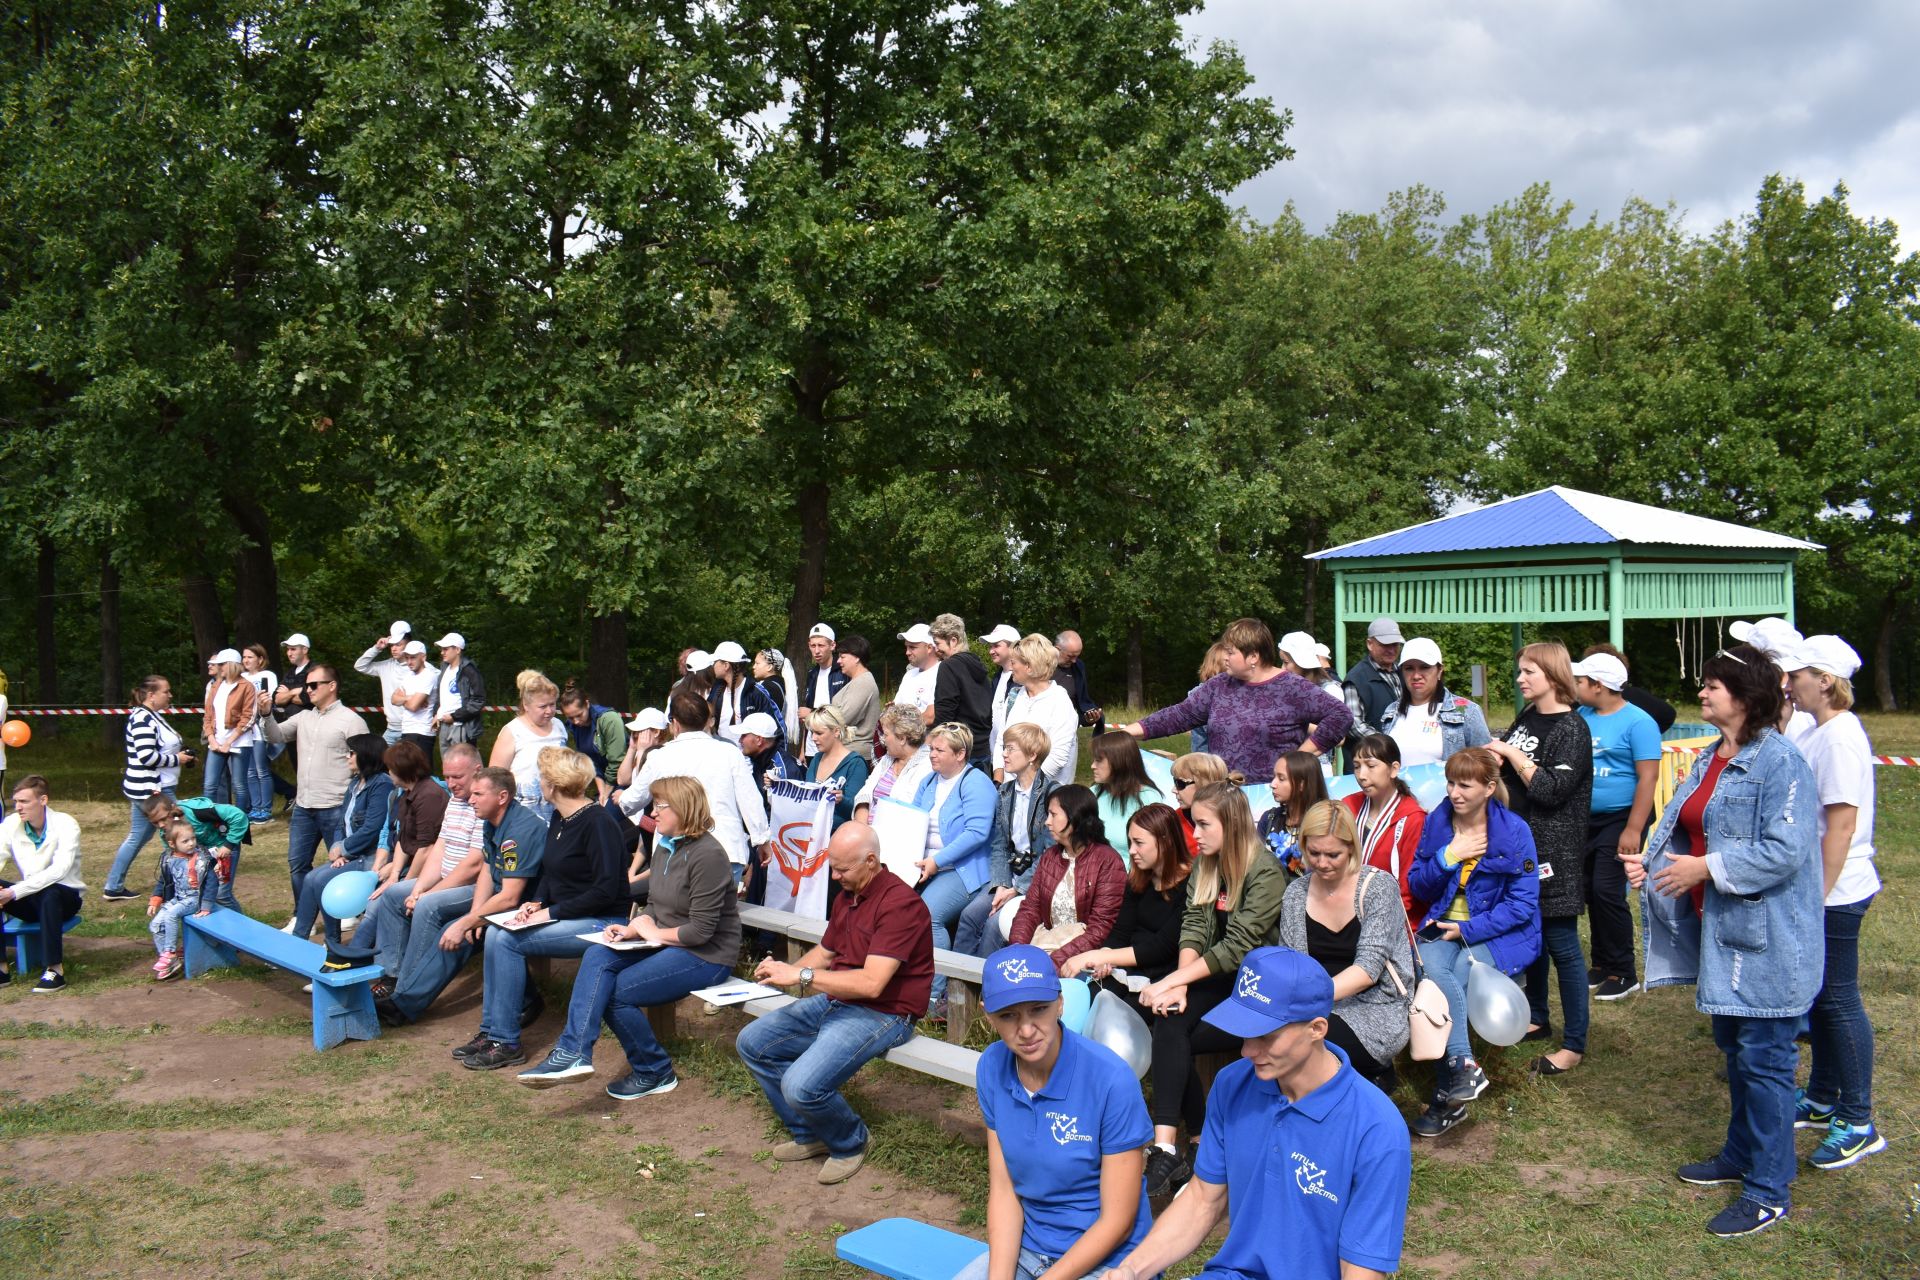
(1314, 1162)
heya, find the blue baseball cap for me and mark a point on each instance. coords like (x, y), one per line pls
(1018, 975)
(1276, 986)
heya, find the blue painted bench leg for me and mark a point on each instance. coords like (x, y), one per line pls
(204, 953)
(343, 1013)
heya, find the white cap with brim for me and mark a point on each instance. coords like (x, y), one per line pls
(823, 631)
(917, 634)
(225, 655)
(1830, 654)
(1386, 631)
(729, 651)
(1602, 668)
(414, 647)
(399, 631)
(648, 718)
(1002, 634)
(451, 640)
(298, 638)
(1299, 646)
(699, 660)
(1420, 649)
(761, 725)
(1775, 637)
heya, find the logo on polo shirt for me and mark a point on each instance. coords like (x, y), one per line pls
(1311, 1178)
(1016, 970)
(1067, 1129)
(509, 855)
(1248, 988)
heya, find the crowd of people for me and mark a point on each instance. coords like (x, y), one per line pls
(1294, 933)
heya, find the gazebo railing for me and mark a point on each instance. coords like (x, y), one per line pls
(1577, 593)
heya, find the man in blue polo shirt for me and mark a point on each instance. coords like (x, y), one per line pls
(1314, 1163)
(1066, 1133)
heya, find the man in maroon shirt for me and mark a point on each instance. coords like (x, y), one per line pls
(860, 991)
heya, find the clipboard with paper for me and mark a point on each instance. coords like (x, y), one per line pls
(902, 829)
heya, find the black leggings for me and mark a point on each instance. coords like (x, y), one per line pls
(1338, 1032)
(1177, 1037)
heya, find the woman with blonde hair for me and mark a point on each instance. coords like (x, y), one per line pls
(1546, 765)
(518, 746)
(1348, 917)
(1045, 703)
(1233, 905)
(834, 760)
(1190, 772)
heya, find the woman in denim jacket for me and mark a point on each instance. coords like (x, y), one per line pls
(1732, 903)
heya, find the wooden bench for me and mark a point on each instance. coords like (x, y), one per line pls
(963, 973)
(902, 1249)
(342, 1003)
(24, 937)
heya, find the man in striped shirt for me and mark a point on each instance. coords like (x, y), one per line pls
(445, 869)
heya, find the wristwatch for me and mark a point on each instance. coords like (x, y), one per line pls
(806, 979)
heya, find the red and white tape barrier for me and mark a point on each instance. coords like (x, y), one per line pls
(1911, 762)
(170, 711)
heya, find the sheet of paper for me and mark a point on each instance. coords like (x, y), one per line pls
(505, 919)
(735, 993)
(629, 944)
(902, 831)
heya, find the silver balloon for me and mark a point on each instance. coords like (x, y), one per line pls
(1115, 1024)
(1007, 913)
(1496, 1006)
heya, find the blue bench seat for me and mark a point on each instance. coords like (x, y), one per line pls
(342, 1001)
(902, 1249)
(24, 937)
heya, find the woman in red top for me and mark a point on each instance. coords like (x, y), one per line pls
(1078, 885)
(1389, 818)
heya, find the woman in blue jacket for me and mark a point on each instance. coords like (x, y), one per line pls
(961, 800)
(363, 816)
(1733, 885)
(1476, 865)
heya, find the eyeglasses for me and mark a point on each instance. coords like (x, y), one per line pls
(315, 684)
(1181, 784)
(1728, 653)
(661, 804)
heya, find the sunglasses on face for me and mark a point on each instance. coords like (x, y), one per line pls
(1181, 784)
(315, 684)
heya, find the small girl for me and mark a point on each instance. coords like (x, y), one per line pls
(1298, 785)
(189, 877)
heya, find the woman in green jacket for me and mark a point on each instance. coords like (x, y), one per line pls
(1233, 906)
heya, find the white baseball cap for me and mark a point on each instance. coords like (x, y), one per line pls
(226, 655)
(1830, 654)
(1325, 653)
(299, 638)
(1002, 634)
(917, 634)
(699, 660)
(729, 651)
(413, 647)
(1602, 668)
(452, 638)
(760, 724)
(1298, 645)
(824, 631)
(398, 632)
(1420, 649)
(1386, 631)
(648, 718)
(1775, 637)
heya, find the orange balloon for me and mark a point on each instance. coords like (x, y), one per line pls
(15, 733)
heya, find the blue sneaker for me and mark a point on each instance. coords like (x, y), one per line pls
(634, 1085)
(1744, 1217)
(1808, 1114)
(1846, 1144)
(1714, 1171)
(559, 1065)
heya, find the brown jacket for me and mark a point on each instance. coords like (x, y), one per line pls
(240, 702)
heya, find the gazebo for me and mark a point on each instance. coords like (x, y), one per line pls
(1561, 555)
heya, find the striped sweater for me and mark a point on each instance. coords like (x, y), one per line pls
(153, 755)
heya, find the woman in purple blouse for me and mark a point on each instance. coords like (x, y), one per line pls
(1254, 712)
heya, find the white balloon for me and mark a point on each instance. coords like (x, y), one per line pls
(1496, 1007)
(1117, 1025)
(1007, 913)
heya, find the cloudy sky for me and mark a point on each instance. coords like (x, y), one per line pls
(1689, 101)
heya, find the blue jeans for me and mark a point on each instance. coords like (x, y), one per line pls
(386, 926)
(315, 883)
(260, 777)
(425, 969)
(658, 977)
(139, 831)
(229, 769)
(307, 828)
(803, 1053)
(1760, 1063)
(1561, 944)
(947, 899)
(1447, 964)
(1842, 1073)
(976, 933)
(506, 967)
(1029, 1266)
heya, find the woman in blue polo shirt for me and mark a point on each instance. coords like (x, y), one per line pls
(1065, 1126)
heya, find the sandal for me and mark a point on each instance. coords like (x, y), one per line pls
(1545, 1066)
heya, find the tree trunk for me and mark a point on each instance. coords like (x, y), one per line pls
(113, 689)
(1883, 649)
(607, 680)
(47, 691)
(203, 612)
(810, 576)
(1136, 664)
(256, 579)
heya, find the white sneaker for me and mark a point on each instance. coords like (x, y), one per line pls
(307, 989)
(287, 928)
(351, 922)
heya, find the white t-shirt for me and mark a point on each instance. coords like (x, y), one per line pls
(942, 789)
(449, 700)
(1842, 761)
(220, 696)
(1799, 725)
(916, 687)
(411, 682)
(1418, 733)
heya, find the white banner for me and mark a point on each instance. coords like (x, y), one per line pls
(802, 820)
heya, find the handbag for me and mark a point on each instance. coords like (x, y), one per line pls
(1429, 1016)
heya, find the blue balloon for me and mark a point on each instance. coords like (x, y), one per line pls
(1078, 1004)
(347, 893)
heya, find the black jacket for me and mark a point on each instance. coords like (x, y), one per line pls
(473, 699)
(963, 692)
